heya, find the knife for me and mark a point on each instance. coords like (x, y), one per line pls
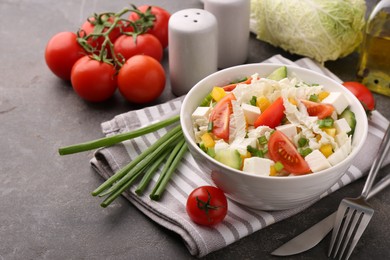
(312, 236)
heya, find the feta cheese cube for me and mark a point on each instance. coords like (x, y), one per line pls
(289, 130)
(341, 138)
(201, 113)
(257, 165)
(317, 161)
(338, 100)
(341, 153)
(342, 126)
(251, 113)
(220, 145)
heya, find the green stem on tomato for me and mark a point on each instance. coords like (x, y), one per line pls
(118, 175)
(111, 140)
(180, 150)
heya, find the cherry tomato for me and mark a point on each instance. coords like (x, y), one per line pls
(141, 79)
(207, 205)
(273, 115)
(93, 80)
(321, 110)
(362, 93)
(281, 149)
(61, 53)
(160, 26)
(146, 44)
(220, 116)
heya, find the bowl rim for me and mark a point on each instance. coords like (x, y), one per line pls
(297, 71)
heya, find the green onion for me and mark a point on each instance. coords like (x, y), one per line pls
(278, 166)
(255, 152)
(302, 142)
(325, 123)
(174, 133)
(206, 101)
(262, 139)
(239, 80)
(172, 162)
(304, 151)
(253, 101)
(108, 141)
(210, 127)
(313, 98)
(150, 173)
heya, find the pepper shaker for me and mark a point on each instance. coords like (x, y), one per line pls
(193, 48)
(233, 17)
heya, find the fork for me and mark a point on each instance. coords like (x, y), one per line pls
(354, 214)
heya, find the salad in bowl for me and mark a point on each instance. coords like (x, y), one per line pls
(275, 125)
(272, 137)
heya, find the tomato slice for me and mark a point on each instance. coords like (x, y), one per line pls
(220, 116)
(281, 149)
(321, 110)
(273, 115)
(232, 86)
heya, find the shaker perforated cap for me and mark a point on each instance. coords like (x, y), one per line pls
(193, 48)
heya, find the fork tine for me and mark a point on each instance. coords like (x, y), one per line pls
(365, 219)
(351, 229)
(341, 213)
(341, 237)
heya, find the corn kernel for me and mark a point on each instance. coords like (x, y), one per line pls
(263, 103)
(207, 140)
(322, 95)
(326, 150)
(272, 171)
(330, 131)
(218, 93)
(293, 101)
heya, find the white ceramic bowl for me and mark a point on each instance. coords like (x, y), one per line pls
(267, 192)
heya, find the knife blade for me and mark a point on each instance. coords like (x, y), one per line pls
(312, 236)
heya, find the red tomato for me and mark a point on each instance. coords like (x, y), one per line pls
(281, 149)
(207, 205)
(61, 53)
(362, 93)
(160, 25)
(232, 86)
(321, 110)
(93, 80)
(220, 116)
(273, 115)
(146, 44)
(141, 79)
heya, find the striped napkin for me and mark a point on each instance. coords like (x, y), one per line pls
(170, 210)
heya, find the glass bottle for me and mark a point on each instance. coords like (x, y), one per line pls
(374, 63)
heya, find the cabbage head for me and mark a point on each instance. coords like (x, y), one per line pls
(319, 29)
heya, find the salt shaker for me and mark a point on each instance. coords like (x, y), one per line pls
(233, 17)
(193, 48)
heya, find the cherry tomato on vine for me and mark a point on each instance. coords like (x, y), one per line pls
(362, 93)
(61, 53)
(160, 25)
(281, 149)
(96, 42)
(93, 80)
(146, 44)
(207, 205)
(141, 79)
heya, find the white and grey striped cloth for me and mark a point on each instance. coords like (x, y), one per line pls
(170, 210)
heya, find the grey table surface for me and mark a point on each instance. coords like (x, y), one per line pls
(46, 210)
